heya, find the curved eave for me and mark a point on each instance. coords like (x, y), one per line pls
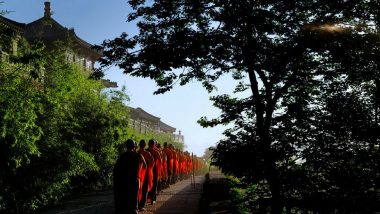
(147, 115)
(109, 84)
(34, 29)
(87, 48)
(166, 127)
(8, 23)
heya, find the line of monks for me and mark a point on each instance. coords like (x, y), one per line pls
(140, 174)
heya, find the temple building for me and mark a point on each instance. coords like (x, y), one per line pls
(49, 31)
(144, 122)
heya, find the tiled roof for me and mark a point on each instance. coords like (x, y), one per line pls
(47, 29)
(166, 127)
(5, 22)
(139, 113)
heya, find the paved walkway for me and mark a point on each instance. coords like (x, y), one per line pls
(182, 198)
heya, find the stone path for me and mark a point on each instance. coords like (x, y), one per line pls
(182, 197)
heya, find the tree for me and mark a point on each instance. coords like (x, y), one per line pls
(207, 155)
(277, 45)
(57, 130)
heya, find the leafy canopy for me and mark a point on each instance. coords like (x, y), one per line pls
(302, 59)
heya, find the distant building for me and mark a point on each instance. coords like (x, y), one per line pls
(179, 137)
(47, 30)
(144, 122)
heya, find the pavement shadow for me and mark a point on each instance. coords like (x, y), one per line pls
(186, 201)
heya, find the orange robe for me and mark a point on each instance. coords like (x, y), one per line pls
(146, 175)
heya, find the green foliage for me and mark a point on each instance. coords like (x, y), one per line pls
(238, 200)
(240, 197)
(249, 198)
(2, 12)
(19, 113)
(19, 131)
(59, 131)
(207, 156)
(310, 128)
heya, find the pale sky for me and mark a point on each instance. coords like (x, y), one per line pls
(95, 21)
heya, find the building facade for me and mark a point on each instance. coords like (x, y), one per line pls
(145, 122)
(49, 31)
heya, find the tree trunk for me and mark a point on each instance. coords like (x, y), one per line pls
(272, 177)
(263, 130)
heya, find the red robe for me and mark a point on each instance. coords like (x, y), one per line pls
(169, 155)
(147, 173)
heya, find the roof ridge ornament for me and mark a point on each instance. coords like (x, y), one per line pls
(47, 13)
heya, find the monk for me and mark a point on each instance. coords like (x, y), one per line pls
(169, 164)
(146, 176)
(164, 169)
(126, 180)
(175, 164)
(156, 169)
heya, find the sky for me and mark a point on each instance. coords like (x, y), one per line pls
(95, 21)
